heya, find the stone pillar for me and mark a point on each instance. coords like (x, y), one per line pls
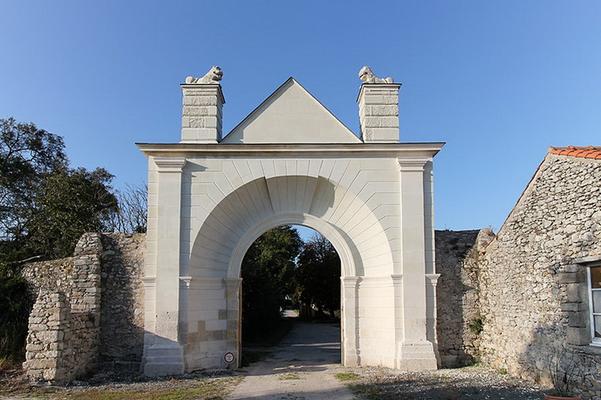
(201, 114)
(379, 112)
(350, 346)
(163, 354)
(49, 356)
(415, 350)
(85, 302)
(233, 303)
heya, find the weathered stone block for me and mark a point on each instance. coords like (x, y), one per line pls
(573, 292)
(578, 319)
(569, 277)
(573, 307)
(578, 336)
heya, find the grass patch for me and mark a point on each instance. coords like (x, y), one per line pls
(215, 389)
(205, 389)
(477, 325)
(289, 377)
(347, 376)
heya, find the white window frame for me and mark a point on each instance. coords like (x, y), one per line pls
(595, 341)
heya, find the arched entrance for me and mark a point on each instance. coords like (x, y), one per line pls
(249, 211)
(290, 302)
(209, 200)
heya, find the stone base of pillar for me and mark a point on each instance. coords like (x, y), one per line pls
(419, 356)
(350, 360)
(162, 360)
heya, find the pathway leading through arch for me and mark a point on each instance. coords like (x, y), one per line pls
(302, 365)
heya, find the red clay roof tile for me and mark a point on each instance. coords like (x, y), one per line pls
(593, 152)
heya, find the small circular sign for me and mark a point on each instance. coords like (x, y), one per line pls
(228, 357)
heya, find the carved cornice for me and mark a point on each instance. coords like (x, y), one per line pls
(379, 281)
(422, 151)
(201, 282)
(432, 278)
(185, 281)
(350, 281)
(412, 164)
(203, 89)
(149, 281)
(170, 164)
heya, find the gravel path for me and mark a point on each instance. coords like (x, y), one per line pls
(302, 366)
(445, 384)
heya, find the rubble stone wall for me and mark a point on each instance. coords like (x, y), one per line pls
(49, 352)
(532, 278)
(122, 327)
(68, 336)
(458, 309)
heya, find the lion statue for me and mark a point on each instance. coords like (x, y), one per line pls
(367, 76)
(214, 75)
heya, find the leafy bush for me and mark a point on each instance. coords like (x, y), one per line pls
(15, 306)
(476, 325)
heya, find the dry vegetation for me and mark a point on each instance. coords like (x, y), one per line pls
(192, 387)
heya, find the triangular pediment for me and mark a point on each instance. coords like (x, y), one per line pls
(291, 115)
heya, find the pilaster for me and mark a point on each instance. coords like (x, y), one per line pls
(415, 350)
(163, 355)
(349, 318)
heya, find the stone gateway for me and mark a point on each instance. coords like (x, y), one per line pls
(527, 300)
(289, 162)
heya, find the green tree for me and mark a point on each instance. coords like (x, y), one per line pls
(318, 275)
(27, 156)
(44, 209)
(267, 278)
(45, 206)
(70, 203)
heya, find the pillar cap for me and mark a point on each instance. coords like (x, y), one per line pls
(367, 86)
(205, 86)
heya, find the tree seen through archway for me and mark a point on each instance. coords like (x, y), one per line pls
(288, 268)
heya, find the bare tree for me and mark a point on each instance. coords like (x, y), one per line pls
(132, 209)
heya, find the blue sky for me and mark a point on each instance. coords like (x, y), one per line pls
(498, 81)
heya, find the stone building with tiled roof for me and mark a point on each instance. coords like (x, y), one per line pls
(540, 278)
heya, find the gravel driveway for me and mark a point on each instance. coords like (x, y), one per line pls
(302, 366)
(445, 384)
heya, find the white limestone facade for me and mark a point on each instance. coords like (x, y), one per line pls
(289, 162)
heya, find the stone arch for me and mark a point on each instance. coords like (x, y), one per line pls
(256, 206)
(342, 246)
(238, 220)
